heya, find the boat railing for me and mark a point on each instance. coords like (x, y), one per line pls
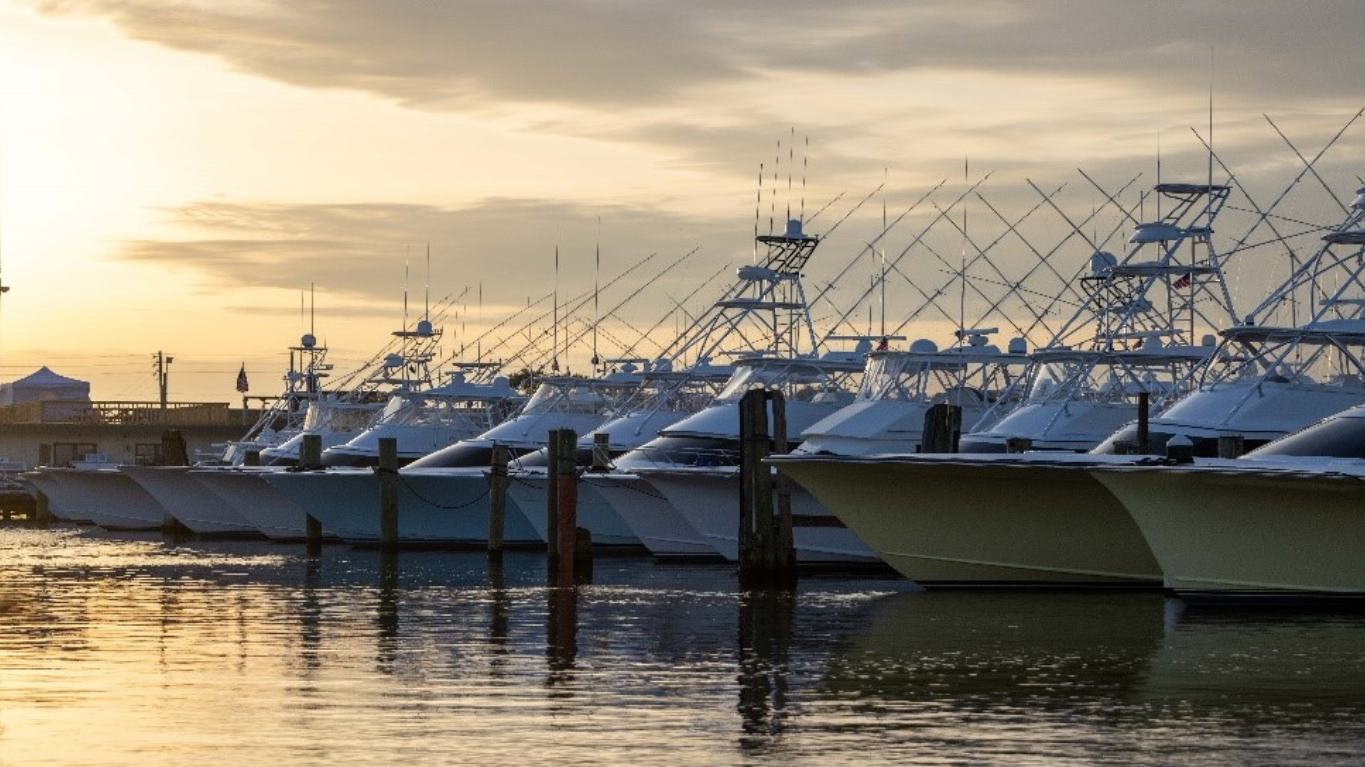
(122, 413)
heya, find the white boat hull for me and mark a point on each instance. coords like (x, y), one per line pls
(709, 500)
(107, 498)
(260, 504)
(651, 518)
(529, 490)
(436, 507)
(955, 522)
(189, 502)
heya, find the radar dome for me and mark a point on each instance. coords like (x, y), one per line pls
(308, 341)
(923, 346)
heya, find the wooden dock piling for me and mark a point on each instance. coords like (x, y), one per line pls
(1144, 436)
(310, 451)
(497, 500)
(564, 444)
(388, 493)
(601, 452)
(310, 457)
(42, 512)
(766, 549)
(942, 429)
(552, 496)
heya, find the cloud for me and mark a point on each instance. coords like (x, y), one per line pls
(365, 250)
(615, 54)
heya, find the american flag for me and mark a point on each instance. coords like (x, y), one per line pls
(241, 379)
(1183, 281)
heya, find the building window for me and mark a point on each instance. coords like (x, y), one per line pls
(147, 454)
(67, 453)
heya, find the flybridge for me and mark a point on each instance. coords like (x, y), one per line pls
(765, 312)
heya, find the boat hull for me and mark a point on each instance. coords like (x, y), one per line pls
(709, 500)
(651, 518)
(984, 523)
(107, 498)
(1250, 536)
(247, 492)
(189, 502)
(530, 490)
(436, 507)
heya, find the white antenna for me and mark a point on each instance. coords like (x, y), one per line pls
(312, 307)
(791, 160)
(886, 173)
(805, 165)
(772, 198)
(1158, 141)
(1208, 198)
(554, 349)
(962, 275)
(596, 286)
(426, 288)
(758, 205)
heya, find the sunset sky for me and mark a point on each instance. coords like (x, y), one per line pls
(175, 174)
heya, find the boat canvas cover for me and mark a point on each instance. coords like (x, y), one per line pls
(44, 386)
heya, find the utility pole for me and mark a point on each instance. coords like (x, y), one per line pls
(163, 365)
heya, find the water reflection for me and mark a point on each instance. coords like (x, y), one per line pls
(122, 649)
(766, 619)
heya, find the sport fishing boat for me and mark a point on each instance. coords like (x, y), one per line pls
(763, 322)
(1284, 370)
(99, 493)
(95, 492)
(898, 390)
(1134, 335)
(443, 497)
(401, 367)
(975, 519)
(423, 421)
(664, 398)
(694, 464)
(415, 419)
(1282, 524)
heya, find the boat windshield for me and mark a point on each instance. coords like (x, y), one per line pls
(896, 377)
(338, 417)
(799, 381)
(1110, 380)
(580, 397)
(903, 377)
(1339, 437)
(418, 410)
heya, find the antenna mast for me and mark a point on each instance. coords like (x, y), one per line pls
(962, 275)
(885, 176)
(554, 349)
(758, 205)
(596, 287)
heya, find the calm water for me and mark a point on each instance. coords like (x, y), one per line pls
(129, 650)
